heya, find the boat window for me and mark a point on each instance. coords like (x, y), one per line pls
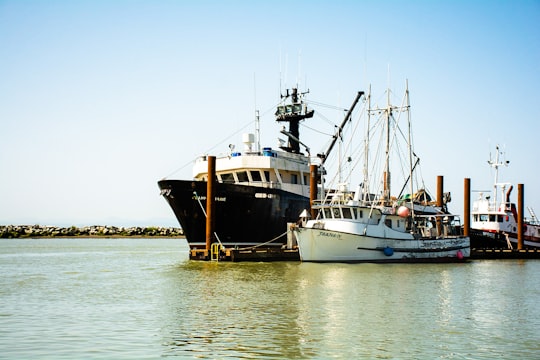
(266, 176)
(227, 178)
(484, 217)
(360, 213)
(492, 218)
(306, 180)
(327, 213)
(242, 176)
(337, 213)
(499, 218)
(256, 176)
(475, 217)
(388, 222)
(294, 178)
(347, 213)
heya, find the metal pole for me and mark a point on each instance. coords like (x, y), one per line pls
(210, 200)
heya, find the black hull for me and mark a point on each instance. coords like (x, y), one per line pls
(486, 240)
(244, 215)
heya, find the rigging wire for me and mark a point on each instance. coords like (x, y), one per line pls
(326, 105)
(210, 149)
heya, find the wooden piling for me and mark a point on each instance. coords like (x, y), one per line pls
(466, 206)
(440, 181)
(520, 222)
(439, 201)
(313, 176)
(210, 201)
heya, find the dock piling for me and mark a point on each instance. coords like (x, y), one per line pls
(312, 189)
(466, 206)
(440, 181)
(210, 200)
(520, 216)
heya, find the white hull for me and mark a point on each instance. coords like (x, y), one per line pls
(495, 217)
(320, 245)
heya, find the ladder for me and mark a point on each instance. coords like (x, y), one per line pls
(533, 215)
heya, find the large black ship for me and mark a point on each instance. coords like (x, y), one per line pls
(257, 192)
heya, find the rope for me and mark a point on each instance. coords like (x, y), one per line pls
(268, 242)
(204, 212)
(247, 248)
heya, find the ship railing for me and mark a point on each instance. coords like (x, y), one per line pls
(262, 184)
(490, 207)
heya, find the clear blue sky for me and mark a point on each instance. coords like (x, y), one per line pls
(101, 99)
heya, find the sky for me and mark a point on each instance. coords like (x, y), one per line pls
(101, 99)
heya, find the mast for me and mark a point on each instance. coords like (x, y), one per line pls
(258, 131)
(339, 160)
(365, 188)
(411, 167)
(496, 164)
(257, 119)
(293, 113)
(386, 175)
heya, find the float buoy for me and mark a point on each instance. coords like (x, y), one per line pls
(388, 251)
(403, 211)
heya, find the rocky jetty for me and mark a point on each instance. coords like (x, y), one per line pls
(34, 231)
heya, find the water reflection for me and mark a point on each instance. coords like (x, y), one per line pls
(233, 309)
(303, 310)
(91, 298)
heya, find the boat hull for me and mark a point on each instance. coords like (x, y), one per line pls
(486, 239)
(319, 245)
(245, 215)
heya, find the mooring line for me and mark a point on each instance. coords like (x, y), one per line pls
(268, 242)
(204, 212)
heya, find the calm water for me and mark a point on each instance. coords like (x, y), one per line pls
(142, 298)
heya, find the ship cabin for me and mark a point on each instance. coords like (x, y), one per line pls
(268, 168)
(489, 216)
(346, 209)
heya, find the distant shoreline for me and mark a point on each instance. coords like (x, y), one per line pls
(104, 231)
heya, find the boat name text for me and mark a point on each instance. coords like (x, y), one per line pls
(217, 198)
(332, 235)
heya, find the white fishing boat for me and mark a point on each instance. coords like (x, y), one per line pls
(370, 225)
(495, 218)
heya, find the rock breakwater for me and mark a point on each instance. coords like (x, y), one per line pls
(34, 231)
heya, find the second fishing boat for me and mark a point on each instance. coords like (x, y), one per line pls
(370, 225)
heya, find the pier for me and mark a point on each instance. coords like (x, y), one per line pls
(238, 255)
(501, 254)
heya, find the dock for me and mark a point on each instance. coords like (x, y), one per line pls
(501, 254)
(238, 255)
(272, 254)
